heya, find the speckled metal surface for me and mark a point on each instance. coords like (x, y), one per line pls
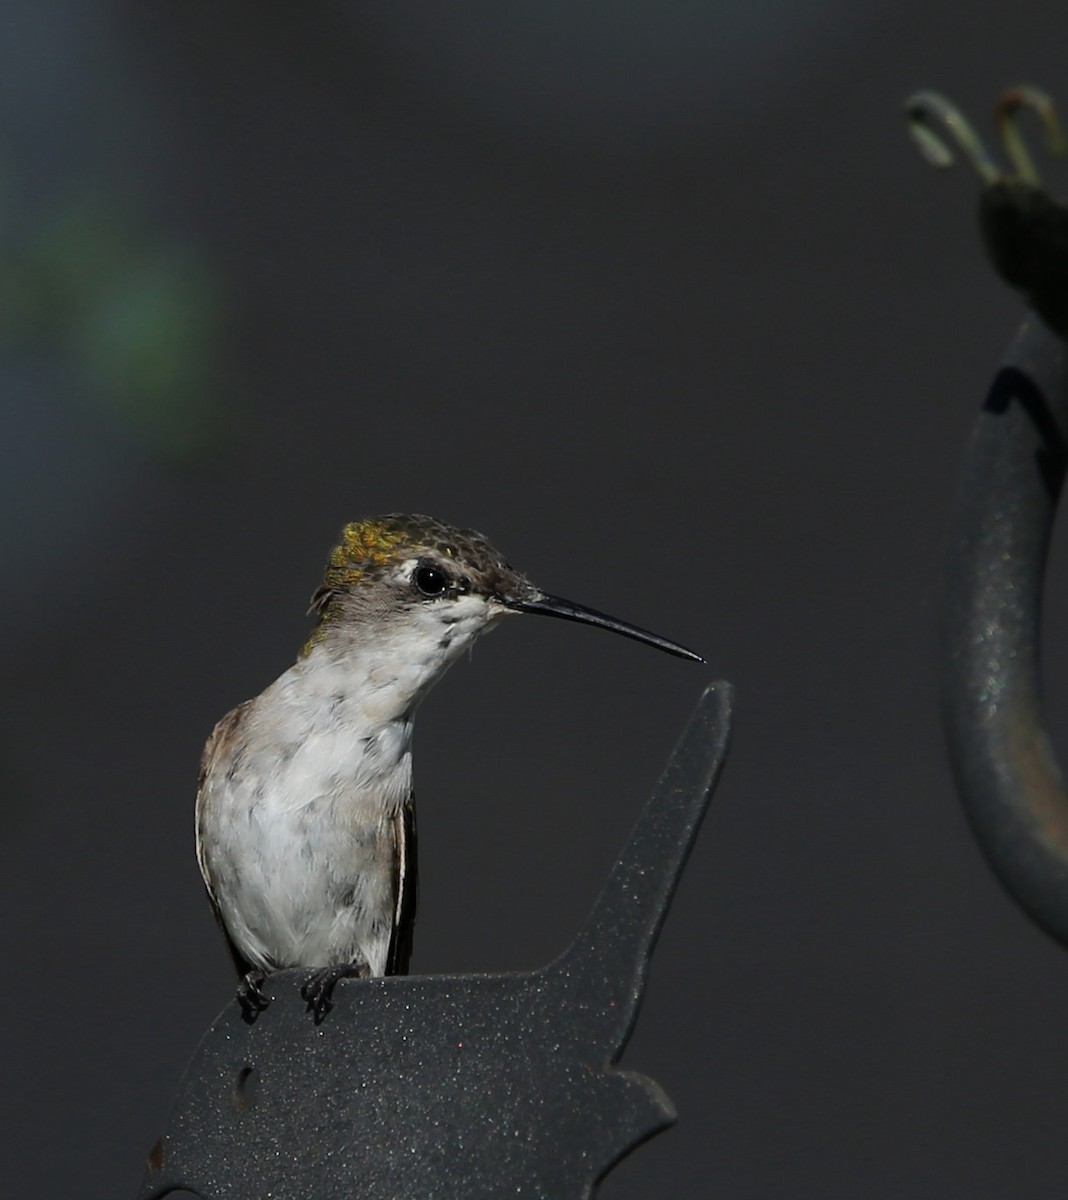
(472, 1086)
(1005, 766)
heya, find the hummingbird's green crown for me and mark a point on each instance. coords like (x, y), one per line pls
(369, 550)
(370, 547)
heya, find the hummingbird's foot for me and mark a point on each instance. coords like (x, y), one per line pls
(318, 989)
(251, 996)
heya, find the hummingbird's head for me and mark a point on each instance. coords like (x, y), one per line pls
(426, 590)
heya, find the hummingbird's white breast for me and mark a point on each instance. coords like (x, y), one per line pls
(302, 788)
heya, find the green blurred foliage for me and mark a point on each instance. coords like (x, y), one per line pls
(133, 314)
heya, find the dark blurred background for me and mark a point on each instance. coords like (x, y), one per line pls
(660, 297)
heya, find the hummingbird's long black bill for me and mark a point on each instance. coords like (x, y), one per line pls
(568, 610)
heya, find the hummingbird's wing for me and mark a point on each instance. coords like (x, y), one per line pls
(214, 749)
(405, 889)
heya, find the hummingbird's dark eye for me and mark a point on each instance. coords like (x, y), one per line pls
(430, 580)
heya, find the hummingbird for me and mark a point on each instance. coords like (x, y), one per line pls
(305, 817)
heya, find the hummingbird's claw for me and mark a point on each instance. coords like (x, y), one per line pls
(318, 989)
(251, 996)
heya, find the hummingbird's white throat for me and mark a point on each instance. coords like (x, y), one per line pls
(385, 662)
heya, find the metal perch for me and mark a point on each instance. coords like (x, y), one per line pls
(1005, 766)
(454, 1086)
(1004, 763)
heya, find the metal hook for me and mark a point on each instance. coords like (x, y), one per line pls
(929, 113)
(1008, 105)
